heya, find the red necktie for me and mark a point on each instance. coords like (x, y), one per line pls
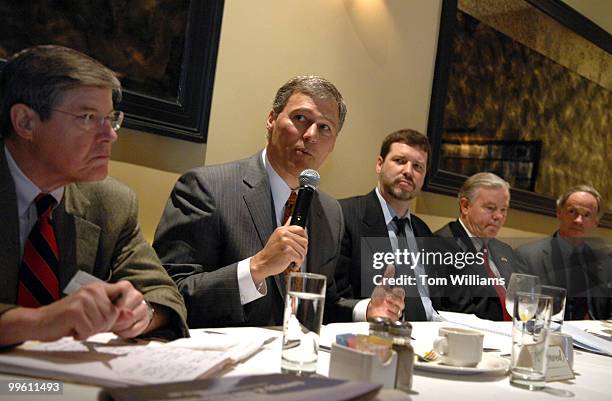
(38, 284)
(501, 291)
(289, 205)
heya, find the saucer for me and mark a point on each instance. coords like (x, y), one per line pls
(488, 364)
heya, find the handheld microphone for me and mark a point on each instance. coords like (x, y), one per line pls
(309, 182)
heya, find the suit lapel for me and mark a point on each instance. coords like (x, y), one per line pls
(258, 199)
(77, 238)
(9, 235)
(373, 224)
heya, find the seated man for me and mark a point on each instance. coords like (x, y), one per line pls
(572, 260)
(401, 167)
(58, 123)
(484, 199)
(225, 235)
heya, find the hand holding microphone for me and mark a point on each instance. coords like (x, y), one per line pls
(309, 182)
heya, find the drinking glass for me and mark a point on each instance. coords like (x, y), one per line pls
(519, 282)
(302, 320)
(558, 296)
(530, 324)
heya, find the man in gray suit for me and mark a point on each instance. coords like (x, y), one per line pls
(572, 260)
(58, 123)
(222, 236)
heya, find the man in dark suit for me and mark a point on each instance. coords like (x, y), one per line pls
(574, 261)
(223, 237)
(484, 199)
(401, 167)
(58, 124)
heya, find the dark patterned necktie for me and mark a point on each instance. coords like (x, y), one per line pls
(414, 309)
(38, 283)
(289, 205)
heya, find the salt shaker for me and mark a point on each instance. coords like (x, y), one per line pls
(379, 326)
(400, 332)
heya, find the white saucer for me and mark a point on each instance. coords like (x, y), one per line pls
(488, 364)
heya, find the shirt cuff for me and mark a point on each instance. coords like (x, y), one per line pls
(360, 310)
(249, 292)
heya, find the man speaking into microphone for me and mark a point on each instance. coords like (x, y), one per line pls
(225, 236)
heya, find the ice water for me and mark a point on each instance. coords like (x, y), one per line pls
(302, 327)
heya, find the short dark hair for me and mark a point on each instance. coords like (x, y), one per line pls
(313, 86)
(39, 76)
(408, 136)
(562, 200)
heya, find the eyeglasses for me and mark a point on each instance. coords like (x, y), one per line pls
(91, 121)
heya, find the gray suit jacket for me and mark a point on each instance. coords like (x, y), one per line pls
(97, 231)
(544, 259)
(219, 215)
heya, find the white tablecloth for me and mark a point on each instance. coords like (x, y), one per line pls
(593, 380)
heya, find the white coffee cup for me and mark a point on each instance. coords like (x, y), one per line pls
(459, 347)
(566, 342)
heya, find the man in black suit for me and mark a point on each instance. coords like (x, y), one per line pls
(572, 260)
(375, 219)
(222, 236)
(484, 199)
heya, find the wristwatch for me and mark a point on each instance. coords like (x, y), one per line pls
(150, 311)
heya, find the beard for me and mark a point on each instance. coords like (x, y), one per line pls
(392, 189)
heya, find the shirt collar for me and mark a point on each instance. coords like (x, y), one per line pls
(25, 189)
(278, 186)
(388, 211)
(479, 243)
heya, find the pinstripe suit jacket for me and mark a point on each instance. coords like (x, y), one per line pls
(219, 215)
(97, 231)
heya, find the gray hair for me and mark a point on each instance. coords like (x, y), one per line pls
(562, 200)
(39, 76)
(471, 186)
(313, 86)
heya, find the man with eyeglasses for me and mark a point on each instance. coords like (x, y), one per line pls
(572, 258)
(61, 214)
(484, 200)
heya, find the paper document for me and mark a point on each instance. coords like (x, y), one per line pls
(274, 387)
(113, 363)
(588, 341)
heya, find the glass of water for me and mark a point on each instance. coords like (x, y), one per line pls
(302, 320)
(558, 296)
(530, 324)
(519, 282)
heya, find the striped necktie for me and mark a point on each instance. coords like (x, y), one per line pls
(289, 205)
(499, 289)
(38, 283)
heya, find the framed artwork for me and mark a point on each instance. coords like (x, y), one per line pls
(530, 78)
(163, 51)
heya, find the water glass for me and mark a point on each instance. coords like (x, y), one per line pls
(558, 296)
(519, 282)
(531, 321)
(302, 320)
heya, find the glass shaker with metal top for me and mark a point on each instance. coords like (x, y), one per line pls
(400, 332)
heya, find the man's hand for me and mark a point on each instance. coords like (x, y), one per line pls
(287, 244)
(386, 301)
(88, 311)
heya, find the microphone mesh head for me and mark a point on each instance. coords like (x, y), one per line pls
(310, 177)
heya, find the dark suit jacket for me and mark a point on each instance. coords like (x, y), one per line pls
(97, 231)
(544, 259)
(219, 215)
(482, 301)
(364, 218)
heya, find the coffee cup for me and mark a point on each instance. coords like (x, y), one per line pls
(459, 347)
(565, 342)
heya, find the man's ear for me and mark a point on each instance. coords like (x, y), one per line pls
(379, 163)
(464, 204)
(23, 119)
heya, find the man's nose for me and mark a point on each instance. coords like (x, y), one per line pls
(311, 132)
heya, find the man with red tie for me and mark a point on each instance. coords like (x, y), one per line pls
(61, 214)
(484, 200)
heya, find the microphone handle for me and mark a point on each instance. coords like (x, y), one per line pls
(300, 213)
